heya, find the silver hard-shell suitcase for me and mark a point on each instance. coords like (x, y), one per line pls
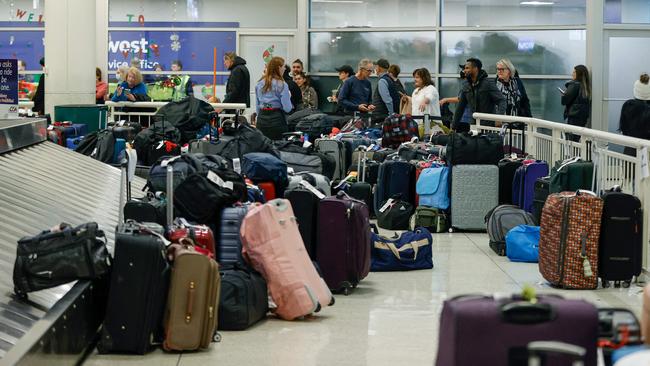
(474, 192)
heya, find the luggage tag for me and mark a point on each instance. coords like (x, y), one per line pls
(212, 176)
(306, 144)
(386, 205)
(236, 165)
(166, 162)
(312, 189)
(290, 171)
(371, 147)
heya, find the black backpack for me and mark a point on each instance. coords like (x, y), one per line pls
(147, 140)
(188, 116)
(105, 147)
(396, 216)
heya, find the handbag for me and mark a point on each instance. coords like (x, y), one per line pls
(409, 251)
(522, 244)
(405, 105)
(52, 258)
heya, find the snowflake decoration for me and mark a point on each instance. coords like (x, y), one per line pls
(176, 44)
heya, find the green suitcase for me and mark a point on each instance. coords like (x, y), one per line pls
(571, 175)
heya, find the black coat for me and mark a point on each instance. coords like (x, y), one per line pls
(39, 97)
(577, 107)
(635, 118)
(294, 89)
(483, 96)
(523, 108)
(238, 87)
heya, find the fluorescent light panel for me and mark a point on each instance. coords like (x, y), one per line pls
(339, 1)
(537, 3)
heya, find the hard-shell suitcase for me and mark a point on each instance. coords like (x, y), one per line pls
(571, 175)
(229, 250)
(120, 145)
(138, 290)
(73, 142)
(395, 177)
(362, 190)
(523, 184)
(474, 192)
(336, 149)
(193, 301)
(569, 235)
(269, 190)
(497, 331)
(273, 247)
(620, 249)
(202, 236)
(507, 169)
(244, 298)
(304, 203)
(541, 192)
(343, 250)
(645, 315)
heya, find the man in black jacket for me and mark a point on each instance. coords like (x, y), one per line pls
(238, 87)
(39, 95)
(480, 92)
(294, 89)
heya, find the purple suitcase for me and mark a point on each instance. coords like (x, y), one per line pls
(523, 184)
(343, 249)
(481, 330)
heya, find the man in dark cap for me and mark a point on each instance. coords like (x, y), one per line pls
(345, 72)
(385, 98)
(39, 95)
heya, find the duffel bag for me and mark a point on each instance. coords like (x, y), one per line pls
(412, 250)
(522, 244)
(315, 125)
(483, 149)
(244, 298)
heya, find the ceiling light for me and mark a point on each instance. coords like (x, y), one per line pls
(537, 3)
(339, 1)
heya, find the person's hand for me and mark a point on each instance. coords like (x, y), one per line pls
(118, 91)
(130, 97)
(423, 106)
(219, 110)
(443, 101)
(363, 108)
(371, 107)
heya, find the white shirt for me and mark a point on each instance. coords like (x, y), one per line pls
(429, 92)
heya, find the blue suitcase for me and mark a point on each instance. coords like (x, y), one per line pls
(73, 142)
(523, 184)
(120, 145)
(74, 130)
(395, 177)
(229, 248)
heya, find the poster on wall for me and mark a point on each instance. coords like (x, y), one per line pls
(8, 88)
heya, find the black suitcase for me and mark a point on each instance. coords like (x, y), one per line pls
(507, 168)
(541, 192)
(244, 298)
(138, 291)
(362, 190)
(150, 208)
(305, 207)
(621, 248)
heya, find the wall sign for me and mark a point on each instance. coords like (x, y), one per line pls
(8, 88)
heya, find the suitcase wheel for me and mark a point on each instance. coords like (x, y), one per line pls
(346, 291)
(332, 302)
(451, 230)
(617, 284)
(216, 337)
(626, 283)
(606, 284)
(318, 308)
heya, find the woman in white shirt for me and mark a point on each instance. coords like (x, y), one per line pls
(424, 99)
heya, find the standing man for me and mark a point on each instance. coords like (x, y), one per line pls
(480, 93)
(184, 88)
(356, 92)
(39, 95)
(238, 87)
(385, 99)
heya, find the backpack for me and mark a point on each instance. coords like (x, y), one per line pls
(105, 147)
(433, 187)
(188, 115)
(502, 219)
(87, 144)
(433, 219)
(263, 167)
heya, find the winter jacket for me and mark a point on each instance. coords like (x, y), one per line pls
(523, 109)
(139, 91)
(39, 97)
(483, 96)
(635, 118)
(238, 87)
(577, 108)
(294, 89)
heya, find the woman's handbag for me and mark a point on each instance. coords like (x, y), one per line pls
(52, 258)
(411, 250)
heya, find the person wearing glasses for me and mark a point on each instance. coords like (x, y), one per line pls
(356, 93)
(511, 86)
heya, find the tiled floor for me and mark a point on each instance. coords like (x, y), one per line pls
(390, 319)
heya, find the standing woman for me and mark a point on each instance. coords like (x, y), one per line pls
(424, 99)
(509, 83)
(577, 100)
(273, 100)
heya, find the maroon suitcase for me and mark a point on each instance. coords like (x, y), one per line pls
(483, 330)
(343, 250)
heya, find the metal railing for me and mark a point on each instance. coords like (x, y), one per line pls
(549, 141)
(141, 112)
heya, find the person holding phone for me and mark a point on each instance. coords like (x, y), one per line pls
(356, 92)
(133, 89)
(577, 100)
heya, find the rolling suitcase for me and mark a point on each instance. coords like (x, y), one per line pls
(268, 188)
(336, 149)
(395, 177)
(507, 169)
(244, 298)
(568, 245)
(343, 250)
(273, 247)
(362, 190)
(571, 175)
(474, 328)
(540, 193)
(73, 142)
(229, 251)
(193, 301)
(523, 184)
(304, 202)
(474, 192)
(620, 249)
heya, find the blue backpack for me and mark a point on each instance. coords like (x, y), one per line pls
(433, 187)
(264, 167)
(522, 244)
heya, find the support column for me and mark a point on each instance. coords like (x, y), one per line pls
(69, 53)
(595, 63)
(101, 37)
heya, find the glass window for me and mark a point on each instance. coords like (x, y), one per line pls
(23, 45)
(553, 52)
(509, 12)
(247, 13)
(543, 94)
(23, 12)
(372, 13)
(410, 50)
(627, 11)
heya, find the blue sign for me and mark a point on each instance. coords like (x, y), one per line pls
(8, 88)
(193, 48)
(23, 45)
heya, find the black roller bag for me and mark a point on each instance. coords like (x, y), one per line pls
(305, 207)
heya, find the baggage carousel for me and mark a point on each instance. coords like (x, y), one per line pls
(41, 185)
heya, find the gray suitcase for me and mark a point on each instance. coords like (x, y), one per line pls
(336, 149)
(474, 192)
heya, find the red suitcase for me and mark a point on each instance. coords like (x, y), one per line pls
(201, 235)
(269, 190)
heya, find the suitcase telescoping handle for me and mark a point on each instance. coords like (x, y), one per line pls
(525, 312)
(170, 195)
(539, 348)
(363, 151)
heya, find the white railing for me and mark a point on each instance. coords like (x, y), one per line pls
(546, 140)
(142, 111)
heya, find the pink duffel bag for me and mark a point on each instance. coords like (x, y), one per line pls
(272, 246)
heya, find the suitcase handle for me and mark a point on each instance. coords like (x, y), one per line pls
(538, 348)
(524, 312)
(190, 302)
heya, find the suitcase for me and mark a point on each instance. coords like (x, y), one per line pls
(336, 149)
(305, 206)
(343, 250)
(395, 177)
(523, 184)
(620, 249)
(483, 328)
(201, 235)
(362, 190)
(568, 245)
(540, 193)
(193, 301)
(269, 190)
(243, 300)
(138, 290)
(230, 246)
(645, 315)
(273, 247)
(72, 142)
(474, 192)
(571, 175)
(120, 145)
(507, 169)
